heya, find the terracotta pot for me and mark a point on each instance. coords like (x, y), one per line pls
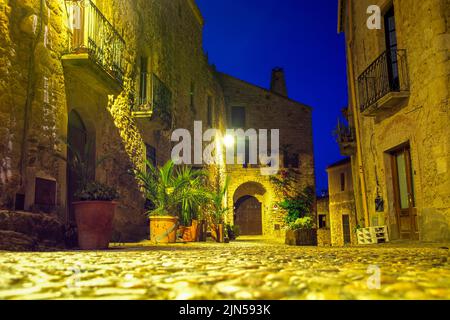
(163, 229)
(202, 231)
(94, 223)
(217, 232)
(190, 234)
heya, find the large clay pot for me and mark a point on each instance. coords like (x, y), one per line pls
(190, 234)
(94, 223)
(217, 232)
(163, 229)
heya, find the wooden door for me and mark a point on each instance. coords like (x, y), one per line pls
(404, 202)
(248, 216)
(346, 228)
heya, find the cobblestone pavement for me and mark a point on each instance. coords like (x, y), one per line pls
(240, 270)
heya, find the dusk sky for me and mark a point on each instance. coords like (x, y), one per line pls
(247, 38)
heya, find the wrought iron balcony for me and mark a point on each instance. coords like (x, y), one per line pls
(346, 138)
(93, 37)
(385, 83)
(157, 105)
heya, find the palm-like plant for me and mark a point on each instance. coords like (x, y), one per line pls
(172, 191)
(218, 210)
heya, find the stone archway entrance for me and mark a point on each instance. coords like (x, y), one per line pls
(249, 201)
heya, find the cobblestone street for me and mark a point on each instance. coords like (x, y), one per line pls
(247, 269)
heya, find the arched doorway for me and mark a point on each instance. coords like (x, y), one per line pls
(248, 216)
(249, 201)
(79, 146)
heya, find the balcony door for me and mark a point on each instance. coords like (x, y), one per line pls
(391, 49)
(404, 193)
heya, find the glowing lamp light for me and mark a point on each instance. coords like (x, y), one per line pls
(228, 141)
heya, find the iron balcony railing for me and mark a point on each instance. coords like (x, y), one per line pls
(345, 134)
(154, 97)
(92, 33)
(388, 73)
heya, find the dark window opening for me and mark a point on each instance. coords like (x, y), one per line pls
(143, 81)
(238, 117)
(322, 221)
(342, 181)
(391, 48)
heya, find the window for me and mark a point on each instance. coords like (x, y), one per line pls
(143, 81)
(151, 155)
(210, 111)
(391, 47)
(343, 181)
(291, 160)
(322, 221)
(238, 117)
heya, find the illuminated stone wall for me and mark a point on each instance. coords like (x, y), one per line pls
(423, 30)
(341, 202)
(268, 110)
(36, 100)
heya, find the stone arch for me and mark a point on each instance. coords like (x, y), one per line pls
(249, 203)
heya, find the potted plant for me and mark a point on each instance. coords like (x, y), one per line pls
(299, 218)
(95, 204)
(218, 210)
(168, 188)
(302, 232)
(94, 215)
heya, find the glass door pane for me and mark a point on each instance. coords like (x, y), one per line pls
(402, 180)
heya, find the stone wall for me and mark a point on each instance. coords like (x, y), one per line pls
(423, 30)
(341, 202)
(269, 110)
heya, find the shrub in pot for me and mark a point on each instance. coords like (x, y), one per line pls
(94, 215)
(95, 206)
(302, 232)
(168, 188)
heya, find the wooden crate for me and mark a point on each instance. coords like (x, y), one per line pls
(373, 235)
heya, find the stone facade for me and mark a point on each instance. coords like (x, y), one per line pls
(418, 123)
(46, 84)
(342, 210)
(323, 221)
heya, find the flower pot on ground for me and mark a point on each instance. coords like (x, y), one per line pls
(190, 234)
(202, 231)
(94, 215)
(217, 232)
(173, 192)
(163, 229)
(301, 233)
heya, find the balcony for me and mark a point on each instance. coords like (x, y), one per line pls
(384, 86)
(95, 49)
(156, 107)
(346, 139)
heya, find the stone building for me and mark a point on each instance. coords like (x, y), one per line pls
(342, 209)
(398, 114)
(115, 78)
(323, 221)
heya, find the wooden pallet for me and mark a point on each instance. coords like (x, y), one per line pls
(373, 235)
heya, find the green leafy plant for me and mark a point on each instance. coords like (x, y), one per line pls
(233, 231)
(95, 191)
(217, 209)
(302, 223)
(171, 191)
(298, 206)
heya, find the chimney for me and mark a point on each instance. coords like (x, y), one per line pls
(278, 84)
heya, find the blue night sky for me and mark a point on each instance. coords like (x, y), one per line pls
(247, 38)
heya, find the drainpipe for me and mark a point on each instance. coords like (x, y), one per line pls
(356, 118)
